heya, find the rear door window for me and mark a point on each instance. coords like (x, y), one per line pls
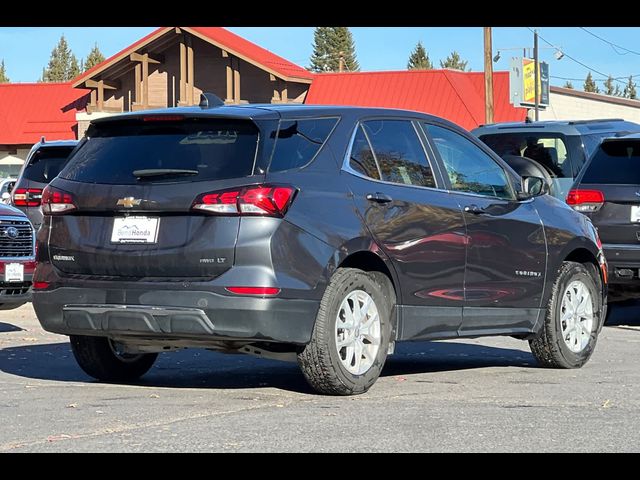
(398, 152)
(204, 149)
(46, 163)
(615, 162)
(298, 142)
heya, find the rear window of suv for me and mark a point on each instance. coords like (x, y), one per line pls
(46, 163)
(207, 149)
(615, 162)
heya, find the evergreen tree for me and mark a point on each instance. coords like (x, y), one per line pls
(568, 84)
(419, 59)
(617, 92)
(590, 85)
(95, 57)
(608, 86)
(63, 64)
(3, 73)
(329, 44)
(630, 89)
(454, 61)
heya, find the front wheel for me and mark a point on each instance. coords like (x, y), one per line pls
(351, 335)
(573, 318)
(103, 359)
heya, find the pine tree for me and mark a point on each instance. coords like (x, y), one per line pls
(568, 84)
(454, 61)
(590, 85)
(3, 73)
(63, 64)
(95, 57)
(630, 89)
(608, 86)
(419, 59)
(329, 44)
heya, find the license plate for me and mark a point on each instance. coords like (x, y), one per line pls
(135, 230)
(635, 213)
(14, 272)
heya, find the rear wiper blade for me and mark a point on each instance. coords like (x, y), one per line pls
(162, 172)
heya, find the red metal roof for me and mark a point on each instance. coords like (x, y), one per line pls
(456, 96)
(218, 36)
(30, 110)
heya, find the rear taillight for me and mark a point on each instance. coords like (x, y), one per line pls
(263, 200)
(585, 201)
(27, 197)
(56, 201)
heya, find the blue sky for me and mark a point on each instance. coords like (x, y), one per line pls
(26, 50)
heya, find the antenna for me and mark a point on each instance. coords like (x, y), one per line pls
(210, 100)
(42, 139)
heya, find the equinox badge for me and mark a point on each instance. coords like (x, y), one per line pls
(129, 202)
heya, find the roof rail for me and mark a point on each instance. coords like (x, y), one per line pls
(596, 120)
(210, 100)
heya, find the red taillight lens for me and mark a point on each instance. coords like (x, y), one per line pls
(262, 291)
(40, 285)
(27, 197)
(263, 200)
(56, 201)
(585, 200)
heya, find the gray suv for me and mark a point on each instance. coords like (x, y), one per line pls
(44, 162)
(317, 234)
(555, 150)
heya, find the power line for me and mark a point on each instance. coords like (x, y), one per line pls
(575, 59)
(614, 46)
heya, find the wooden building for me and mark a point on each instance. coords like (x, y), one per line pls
(173, 65)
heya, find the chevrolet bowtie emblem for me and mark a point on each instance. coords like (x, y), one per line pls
(129, 202)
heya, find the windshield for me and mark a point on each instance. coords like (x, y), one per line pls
(130, 152)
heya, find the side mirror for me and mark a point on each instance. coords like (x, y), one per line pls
(533, 187)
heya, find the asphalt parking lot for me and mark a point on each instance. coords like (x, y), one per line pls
(474, 395)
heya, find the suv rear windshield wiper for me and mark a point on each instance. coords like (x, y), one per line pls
(162, 172)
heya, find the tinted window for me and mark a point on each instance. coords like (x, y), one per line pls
(46, 163)
(362, 159)
(468, 167)
(298, 142)
(550, 150)
(216, 149)
(399, 153)
(615, 162)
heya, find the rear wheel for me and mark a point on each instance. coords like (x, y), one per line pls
(350, 339)
(573, 319)
(104, 359)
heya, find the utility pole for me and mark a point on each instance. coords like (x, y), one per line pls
(536, 73)
(341, 62)
(488, 76)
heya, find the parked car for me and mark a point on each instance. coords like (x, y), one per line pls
(608, 191)
(6, 185)
(17, 257)
(44, 162)
(558, 148)
(322, 234)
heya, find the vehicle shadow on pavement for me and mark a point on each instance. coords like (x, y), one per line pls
(8, 327)
(211, 370)
(624, 313)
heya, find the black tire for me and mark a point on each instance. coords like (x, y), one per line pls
(320, 361)
(549, 347)
(97, 358)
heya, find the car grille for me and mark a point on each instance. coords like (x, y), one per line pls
(16, 246)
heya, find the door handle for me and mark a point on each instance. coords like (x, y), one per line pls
(379, 198)
(474, 209)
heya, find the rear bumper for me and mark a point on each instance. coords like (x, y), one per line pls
(174, 315)
(623, 264)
